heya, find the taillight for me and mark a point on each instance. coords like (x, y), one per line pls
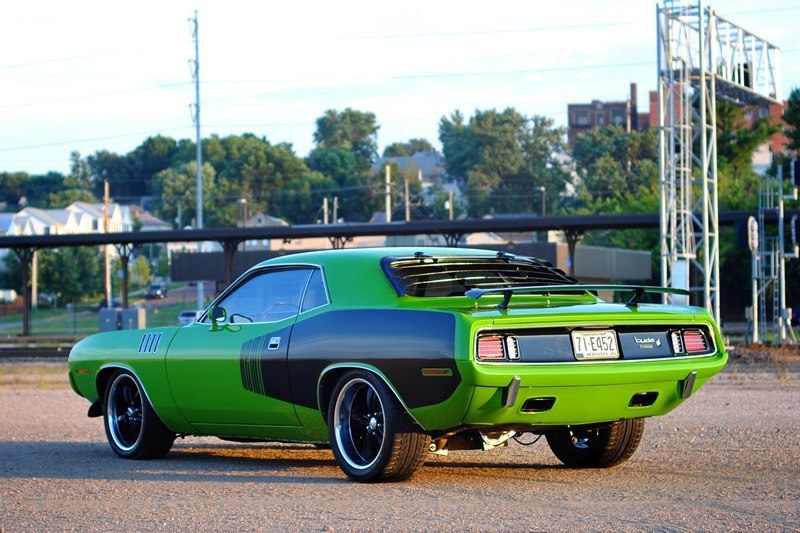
(677, 342)
(694, 341)
(490, 349)
(512, 349)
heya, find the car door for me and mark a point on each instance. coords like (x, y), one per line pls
(234, 375)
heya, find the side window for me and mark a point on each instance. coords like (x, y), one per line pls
(267, 297)
(316, 295)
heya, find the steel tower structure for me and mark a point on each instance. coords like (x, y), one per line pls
(701, 57)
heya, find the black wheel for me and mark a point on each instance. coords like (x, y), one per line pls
(133, 428)
(372, 437)
(597, 447)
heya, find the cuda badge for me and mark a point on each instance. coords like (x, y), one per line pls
(647, 342)
(149, 343)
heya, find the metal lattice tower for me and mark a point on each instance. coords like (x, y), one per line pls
(772, 255)
(701, 57)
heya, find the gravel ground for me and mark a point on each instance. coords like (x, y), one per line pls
(728, 459)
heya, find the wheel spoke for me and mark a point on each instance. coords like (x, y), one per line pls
(359, 419)
(367, 450)
(126, 393)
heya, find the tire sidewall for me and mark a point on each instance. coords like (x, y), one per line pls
(374, 470)
(132, 452)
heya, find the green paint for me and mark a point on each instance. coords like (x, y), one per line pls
(195, 378)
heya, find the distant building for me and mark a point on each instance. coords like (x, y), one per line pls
(625, 113)
(430, 163)
(777, 144)
(146, 221)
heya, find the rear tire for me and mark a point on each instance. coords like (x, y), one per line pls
(133, 428)
(372, 437)
(601, 447)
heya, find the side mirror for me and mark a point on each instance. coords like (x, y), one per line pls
(218, 316)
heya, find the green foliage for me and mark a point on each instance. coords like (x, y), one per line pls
(76, 185)
(63, 198)
(79, 176)
(504, 159)
(162, 269)
(37, 189)
(352, 130)
(11, 187)
(613, 163)
(175, 189)
(792, 119)
(411, 147)
(140, 272)
(71, 273)
(736, 144)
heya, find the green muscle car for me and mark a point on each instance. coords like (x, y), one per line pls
(389, 354)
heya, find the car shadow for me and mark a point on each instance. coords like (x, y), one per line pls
(196, 463)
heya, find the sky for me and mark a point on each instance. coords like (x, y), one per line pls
(99, 75)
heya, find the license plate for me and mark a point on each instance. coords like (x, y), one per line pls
(594, 345)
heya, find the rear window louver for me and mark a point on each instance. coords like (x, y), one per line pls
(427, 276)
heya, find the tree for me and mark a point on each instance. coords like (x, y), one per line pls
(76, 185)
(411, 147)
(37, 189)
(71, 273)
(504, 158)
(357, 197)
(140, 272)
(792, 119)
(175, 189)
(12, 186)
(63, 198)
(162, 264)
(613, 162)
(352, 130)
(118, 171)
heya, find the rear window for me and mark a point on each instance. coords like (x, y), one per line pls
(437, 276)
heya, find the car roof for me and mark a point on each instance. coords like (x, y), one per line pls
(322, 257)
(354, 276)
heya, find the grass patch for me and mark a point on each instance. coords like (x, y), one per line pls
(41, 376)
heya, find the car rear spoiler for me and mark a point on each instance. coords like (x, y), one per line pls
(638, 291)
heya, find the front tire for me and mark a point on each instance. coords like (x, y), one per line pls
(598, 447)
(372, 437)
(133, 428)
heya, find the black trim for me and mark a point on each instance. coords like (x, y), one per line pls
(398, 343)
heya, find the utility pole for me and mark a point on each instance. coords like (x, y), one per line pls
(388, 194)
(325, 210)
(199, 148)
(450, 204)
(106, 201)
(408, 205)
(335, 209)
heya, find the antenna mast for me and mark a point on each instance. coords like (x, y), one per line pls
(195, 65)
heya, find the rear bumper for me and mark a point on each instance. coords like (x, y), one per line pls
(584, 393)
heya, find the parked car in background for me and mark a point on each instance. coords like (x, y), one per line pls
(188, 316)
(115, 303)
(156, 291)
(389, 354)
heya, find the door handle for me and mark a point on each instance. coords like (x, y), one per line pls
(274, 343)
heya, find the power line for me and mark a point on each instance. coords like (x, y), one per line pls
(89, 139)
(86, 56)
(96, 95)
(489, 32)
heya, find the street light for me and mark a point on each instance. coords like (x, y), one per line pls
(243, 203)
(543, 190)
